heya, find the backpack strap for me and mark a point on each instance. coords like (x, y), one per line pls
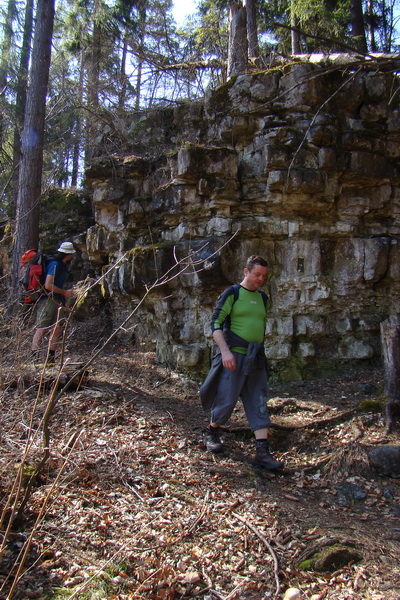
(47, 259)
(236, 287)
(264, 297)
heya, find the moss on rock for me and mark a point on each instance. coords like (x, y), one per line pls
(332, 557)
(371, 405)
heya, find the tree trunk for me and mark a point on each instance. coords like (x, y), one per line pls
(21, 92)
(237, 52)
(140, 52)
(390, 339)
(93, 78)
(389, 21)
(30, 177)
(252, 34)
(123, 75)
(357, 25)
(371, 26)
(5, 53)
(294, 34)
(76, 154)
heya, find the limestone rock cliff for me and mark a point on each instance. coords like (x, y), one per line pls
(303, 163)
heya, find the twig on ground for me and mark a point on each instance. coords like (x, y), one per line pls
(26, 547)
(268, 545)
(123, 479)
(200, 517)
(99, 571)
(217, 594)
(235, 589)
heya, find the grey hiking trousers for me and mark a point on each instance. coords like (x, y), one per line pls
(252, 387)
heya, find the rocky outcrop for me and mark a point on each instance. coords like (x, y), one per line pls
(302, 164)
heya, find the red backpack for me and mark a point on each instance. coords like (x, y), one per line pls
(33, 271)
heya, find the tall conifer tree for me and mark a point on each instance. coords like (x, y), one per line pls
(30, 178)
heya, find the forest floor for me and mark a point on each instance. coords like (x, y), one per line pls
(131, 506)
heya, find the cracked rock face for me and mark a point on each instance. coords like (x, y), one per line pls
(305, 171)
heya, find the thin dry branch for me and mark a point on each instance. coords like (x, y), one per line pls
(200, 517)
(26, 547)
(175, 271)
(270, 549)
(193, 66)
(82, 587)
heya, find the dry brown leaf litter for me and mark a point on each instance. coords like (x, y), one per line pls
(143, 512)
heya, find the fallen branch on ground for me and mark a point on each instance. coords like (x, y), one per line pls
(270, 549)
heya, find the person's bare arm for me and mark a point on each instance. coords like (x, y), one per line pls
(228, 359)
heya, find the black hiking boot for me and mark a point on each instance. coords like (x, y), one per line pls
(264, 458)
(212, 439)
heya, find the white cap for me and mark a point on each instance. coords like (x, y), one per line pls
(67, 248)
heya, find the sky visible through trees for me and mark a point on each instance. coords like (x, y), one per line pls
(112, 57)
(183, 8)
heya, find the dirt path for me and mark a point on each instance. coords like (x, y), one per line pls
(142, 511)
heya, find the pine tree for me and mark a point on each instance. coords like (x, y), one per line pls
(252, 33)
(357, 25)
(6, 85)
(20, 95)
(238, 48)
(30, 177)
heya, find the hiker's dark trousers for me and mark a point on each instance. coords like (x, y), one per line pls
(251, 387)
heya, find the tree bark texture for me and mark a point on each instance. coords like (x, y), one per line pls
(93, 84)
(140, 51)
(390, 339)
(21, 90)
(371, 26)
(5, 53)
(294, 34)
(30, 176)
(252, 34)
(238, 51)
(76, 154)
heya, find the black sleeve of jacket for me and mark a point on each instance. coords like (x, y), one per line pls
(221, 315)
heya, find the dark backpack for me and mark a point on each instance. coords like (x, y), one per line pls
(33, 275)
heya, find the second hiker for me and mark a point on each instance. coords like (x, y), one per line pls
(51, 312)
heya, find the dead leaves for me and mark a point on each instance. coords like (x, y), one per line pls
(143, 513)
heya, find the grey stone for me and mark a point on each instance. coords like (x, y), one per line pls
(387, 493)
(352, 348)
(386, 460)
(349, 494)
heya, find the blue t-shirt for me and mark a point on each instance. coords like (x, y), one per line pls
(60, 271)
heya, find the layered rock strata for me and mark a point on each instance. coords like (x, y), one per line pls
(300, 165)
